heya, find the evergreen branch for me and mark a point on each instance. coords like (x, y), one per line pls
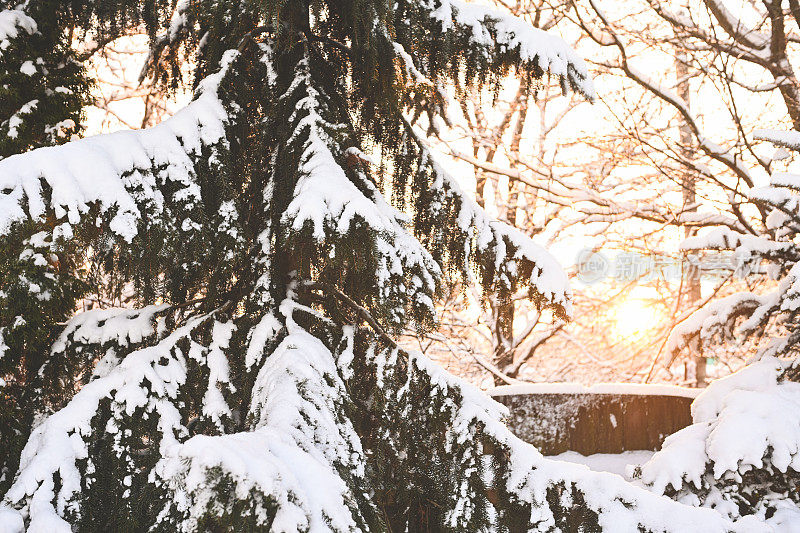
(312, 37)
(499, 245)
(360, 310)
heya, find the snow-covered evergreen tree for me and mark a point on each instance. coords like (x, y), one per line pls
(247, 378)
(742, 454)
(43, 88)
(774, 250)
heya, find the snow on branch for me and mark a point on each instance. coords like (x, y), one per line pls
(736, 28)
(11, 22)
(787, 139)
(488, 28)
(291, 455)
(120, 326)
(746, 427)
(117, 170)
(94, 342)
(335, 205)
(324, 196)
(715, 321)
(57, 446)
(728, 239)
(499, 250)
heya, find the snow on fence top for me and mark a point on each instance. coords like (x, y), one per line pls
(599, 388)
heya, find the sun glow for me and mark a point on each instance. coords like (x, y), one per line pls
(633, 318)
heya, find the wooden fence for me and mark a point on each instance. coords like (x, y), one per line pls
(590, 422)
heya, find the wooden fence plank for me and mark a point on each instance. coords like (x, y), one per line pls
(591, 423)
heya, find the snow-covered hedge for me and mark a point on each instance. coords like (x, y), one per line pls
(742, 454)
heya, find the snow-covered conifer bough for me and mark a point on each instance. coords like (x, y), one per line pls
(742, 454)
(245, 377)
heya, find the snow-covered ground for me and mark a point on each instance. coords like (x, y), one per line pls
(616, 463)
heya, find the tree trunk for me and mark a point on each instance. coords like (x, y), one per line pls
(504, 355)
(688, 182)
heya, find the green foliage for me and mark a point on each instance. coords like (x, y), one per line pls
(117, 497)
(38, 291)
(43, 87)
(227, 512)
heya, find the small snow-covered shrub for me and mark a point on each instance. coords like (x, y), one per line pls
(742, 454)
